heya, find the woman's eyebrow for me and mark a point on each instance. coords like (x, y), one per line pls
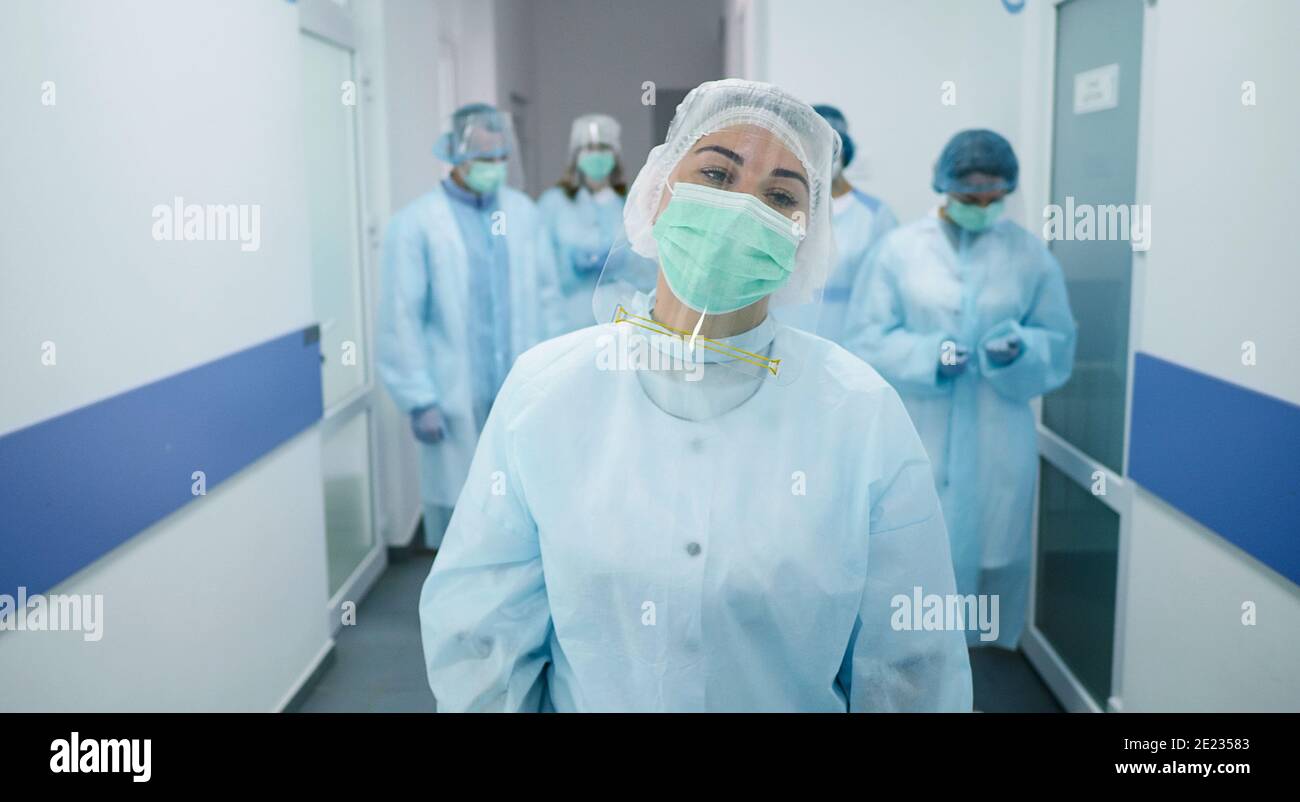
(781, 172)
(730, 154)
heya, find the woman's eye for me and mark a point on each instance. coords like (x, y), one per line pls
(782, 199)
(716, 175)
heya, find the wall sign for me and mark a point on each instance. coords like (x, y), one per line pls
(1096, 89)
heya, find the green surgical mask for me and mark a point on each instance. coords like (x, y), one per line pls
(485, 177)
(972, 217)
(722, 251)
(596, 165)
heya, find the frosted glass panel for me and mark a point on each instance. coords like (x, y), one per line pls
(1094, 165)
(331, 160)
(1078, 548)
(345, 468)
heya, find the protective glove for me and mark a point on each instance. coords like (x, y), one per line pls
(428, 424)
(1003, 350)
(952, 359)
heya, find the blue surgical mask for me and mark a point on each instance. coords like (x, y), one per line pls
(721, 251)
(971, 216)
(596, 165)
(485, 177)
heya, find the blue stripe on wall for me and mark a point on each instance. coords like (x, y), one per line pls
(78, 485)
(1227, 456)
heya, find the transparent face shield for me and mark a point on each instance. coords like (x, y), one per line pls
(976, 201)
(594, 130)
(737, 228)
(481, 147)
(594, 150)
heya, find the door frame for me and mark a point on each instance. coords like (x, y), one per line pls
(339, 25)
(1052, 448)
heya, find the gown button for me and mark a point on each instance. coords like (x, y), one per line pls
(692, 549)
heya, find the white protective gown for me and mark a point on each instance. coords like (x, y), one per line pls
(609, 556)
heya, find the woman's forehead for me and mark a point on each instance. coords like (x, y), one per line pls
(754, 144)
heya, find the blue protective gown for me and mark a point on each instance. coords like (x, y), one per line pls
(582, 231)
(859, 221)
(929, 282)
(489, 295)
(609, 556)
(458, 303)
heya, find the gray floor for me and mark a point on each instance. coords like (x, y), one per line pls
(1006, 683)
(378, 666)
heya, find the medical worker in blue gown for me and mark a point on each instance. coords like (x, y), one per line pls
(468, 284)
(859, 221)
(584, 212)
(966, 314)
(693, 507)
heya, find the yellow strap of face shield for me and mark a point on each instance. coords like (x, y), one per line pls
(773, 366)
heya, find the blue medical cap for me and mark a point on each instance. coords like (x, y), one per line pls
(976, 151)
(835, 117)
(459, 144)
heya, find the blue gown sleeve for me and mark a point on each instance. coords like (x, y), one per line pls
(484, 615)
(887, 669)
(1047, 334)
(548, 283)
(552, 207)
(405, 290)
(884, 222)
(877, 329)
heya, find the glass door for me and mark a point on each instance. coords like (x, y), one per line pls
(331, 145)
(1082, 495)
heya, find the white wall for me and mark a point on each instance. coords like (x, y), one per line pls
(407, 92)
(218, 607)
(222, 604)
(884, 64)
(516, 71)
(470, 25)
(1221, 179)
(1185, 648)
(1222, 267)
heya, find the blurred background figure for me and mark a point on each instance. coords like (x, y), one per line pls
(584, 212)
(966, 314)
(468, 285)
(860, 221)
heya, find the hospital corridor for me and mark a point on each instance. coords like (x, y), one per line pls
(650, 356)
